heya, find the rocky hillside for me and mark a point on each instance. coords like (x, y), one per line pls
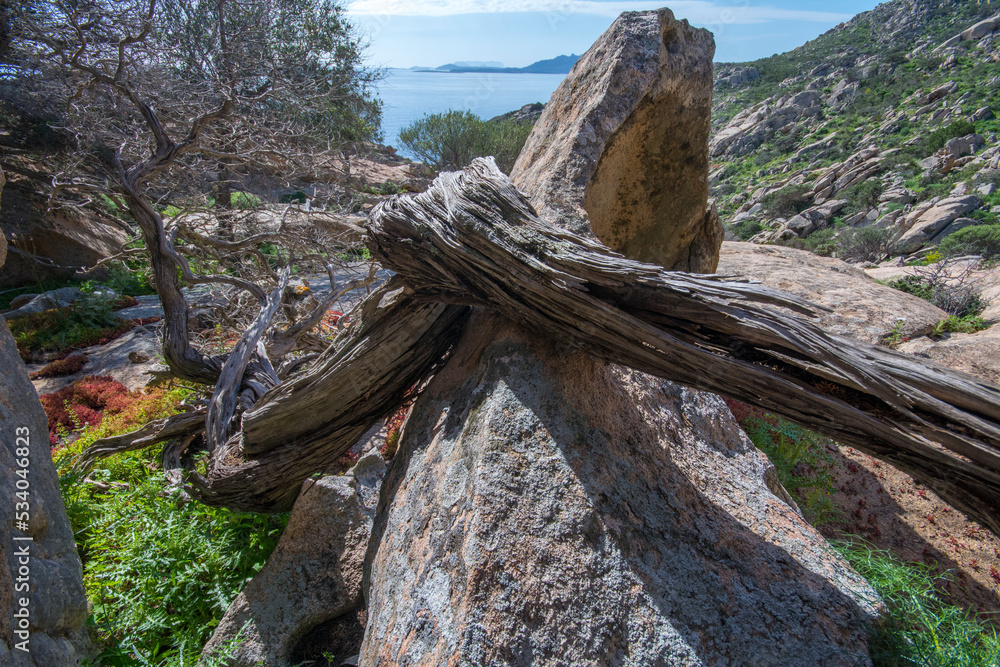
(878, 139)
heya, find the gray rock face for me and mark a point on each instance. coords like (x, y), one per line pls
(68, 238)
(737, 77)
(982, 28)
(962, 146)
(549, 509)
(621, 149)
(925, 226)
(57, 298)
(57, 607)
(131, 360)
(859, 307)
(314, 574)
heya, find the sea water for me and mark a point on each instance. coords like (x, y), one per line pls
(409, 95)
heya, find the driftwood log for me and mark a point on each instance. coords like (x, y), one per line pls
(474, 239)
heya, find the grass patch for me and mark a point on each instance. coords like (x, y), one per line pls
(917, 627)
(65, 330)
(955, 324)
(159, 571)
(799, 455)
(89, 321)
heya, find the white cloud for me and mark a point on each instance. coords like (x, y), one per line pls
(699, 12)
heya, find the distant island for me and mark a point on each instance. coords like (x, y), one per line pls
(557, 65)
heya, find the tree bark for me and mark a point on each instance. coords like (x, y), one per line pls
(474, 239)
(303, 426)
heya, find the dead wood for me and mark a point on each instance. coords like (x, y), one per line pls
(152, 433)
(303, 426)
(474, 239)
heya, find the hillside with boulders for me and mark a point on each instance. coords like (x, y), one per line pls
(876, 140)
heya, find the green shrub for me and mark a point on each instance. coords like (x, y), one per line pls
(863, 196)
(864, 244)
(978, 240)
(915, 285)
(748, 229)
(452, 140)
(938, 138)
(386, 188)
(158, 570)
(822, 242)
(957, 299)
(956, 324)
(787, 201)
(132, 280)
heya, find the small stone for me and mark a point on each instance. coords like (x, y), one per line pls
(137, 357)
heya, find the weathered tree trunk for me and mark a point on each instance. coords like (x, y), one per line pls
(302, 426)
(184, 361)
(474, 239)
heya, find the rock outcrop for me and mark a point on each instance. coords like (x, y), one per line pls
(858, 306)
(49, 630)
(840, 118)
(927, 225)
(314, 574)
(43, 609)
(977, 353)
(65, 240)
(623, 139)
(548, 508)
(134, 359)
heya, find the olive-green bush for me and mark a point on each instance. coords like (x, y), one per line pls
(453, 139)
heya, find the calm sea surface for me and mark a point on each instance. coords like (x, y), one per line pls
(411, 95)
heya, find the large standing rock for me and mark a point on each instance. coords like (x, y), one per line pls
(547, 508)
(621, 150)
(57, 606)
(314, 574)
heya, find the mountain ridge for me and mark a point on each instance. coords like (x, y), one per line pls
(875, 129)
(558, 65)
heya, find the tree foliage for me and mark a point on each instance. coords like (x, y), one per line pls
(161, 100)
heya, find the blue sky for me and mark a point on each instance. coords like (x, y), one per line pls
(405, 33)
